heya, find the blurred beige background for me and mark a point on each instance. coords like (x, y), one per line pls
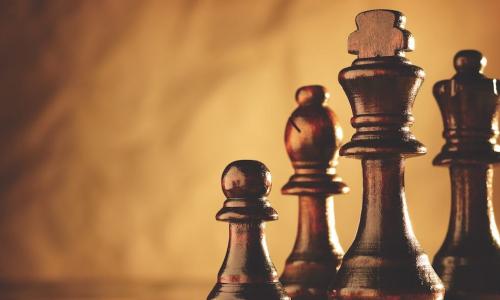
(118, 118)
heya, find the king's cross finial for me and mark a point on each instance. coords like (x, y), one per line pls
(380, 33)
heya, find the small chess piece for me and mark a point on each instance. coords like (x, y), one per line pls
(312, 139)
(468, 262)
(385, 260)
(247, 272)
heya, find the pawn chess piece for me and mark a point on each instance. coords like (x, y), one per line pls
(468, 262)
(312, 138)
(385, 260)
(247, 272)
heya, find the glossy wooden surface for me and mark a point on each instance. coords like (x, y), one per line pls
(385, 37)
(385, 260)
(312, 139)
(468, 262)
(247, 272)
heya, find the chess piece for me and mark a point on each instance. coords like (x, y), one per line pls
(468, 262)
(247, 272)
(385, 260)
(312, 139)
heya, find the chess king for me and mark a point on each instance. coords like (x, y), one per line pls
(385, 260)
(468, 262)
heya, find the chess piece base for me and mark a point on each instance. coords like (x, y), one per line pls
(251, 291)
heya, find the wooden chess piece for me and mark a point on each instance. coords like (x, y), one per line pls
(247, 272)
(468, 262)
(385, 260)
(312, 139)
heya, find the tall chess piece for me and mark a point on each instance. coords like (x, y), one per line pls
(312, 139)
(469, 260)
(247, 272)
(385, 260)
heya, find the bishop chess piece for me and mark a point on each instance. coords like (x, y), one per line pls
(247, 272)
(385, 260)
(468, 262)
(312, 139)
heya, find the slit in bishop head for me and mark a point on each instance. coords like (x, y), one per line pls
(294, 125)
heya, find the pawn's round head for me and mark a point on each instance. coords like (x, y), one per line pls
(311, 94)
(469, 61)
(246, 179)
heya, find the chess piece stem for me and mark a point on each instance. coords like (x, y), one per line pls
(317, 254)
(385, 260)
(316, 233)
(473, 223)
(247, 259)
(385, 228)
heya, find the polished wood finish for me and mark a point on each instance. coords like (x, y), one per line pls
(380, 33)
(385, 260)
(312, 139)
(468, 262)
(247, 272)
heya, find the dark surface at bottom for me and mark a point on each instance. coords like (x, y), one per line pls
(256, 291)
(70, 290)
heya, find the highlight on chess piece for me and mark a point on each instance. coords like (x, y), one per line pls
(468, 262)
(312, 139)
(247, 272)
(385, 260)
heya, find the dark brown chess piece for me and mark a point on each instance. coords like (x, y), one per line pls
(385, 260)
(312, 139)
(468, 262)
(247, 272)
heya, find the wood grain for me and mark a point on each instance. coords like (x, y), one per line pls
(247, 272)
(380, 33)
(385, 260)
(312, 139)
(468, 262)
